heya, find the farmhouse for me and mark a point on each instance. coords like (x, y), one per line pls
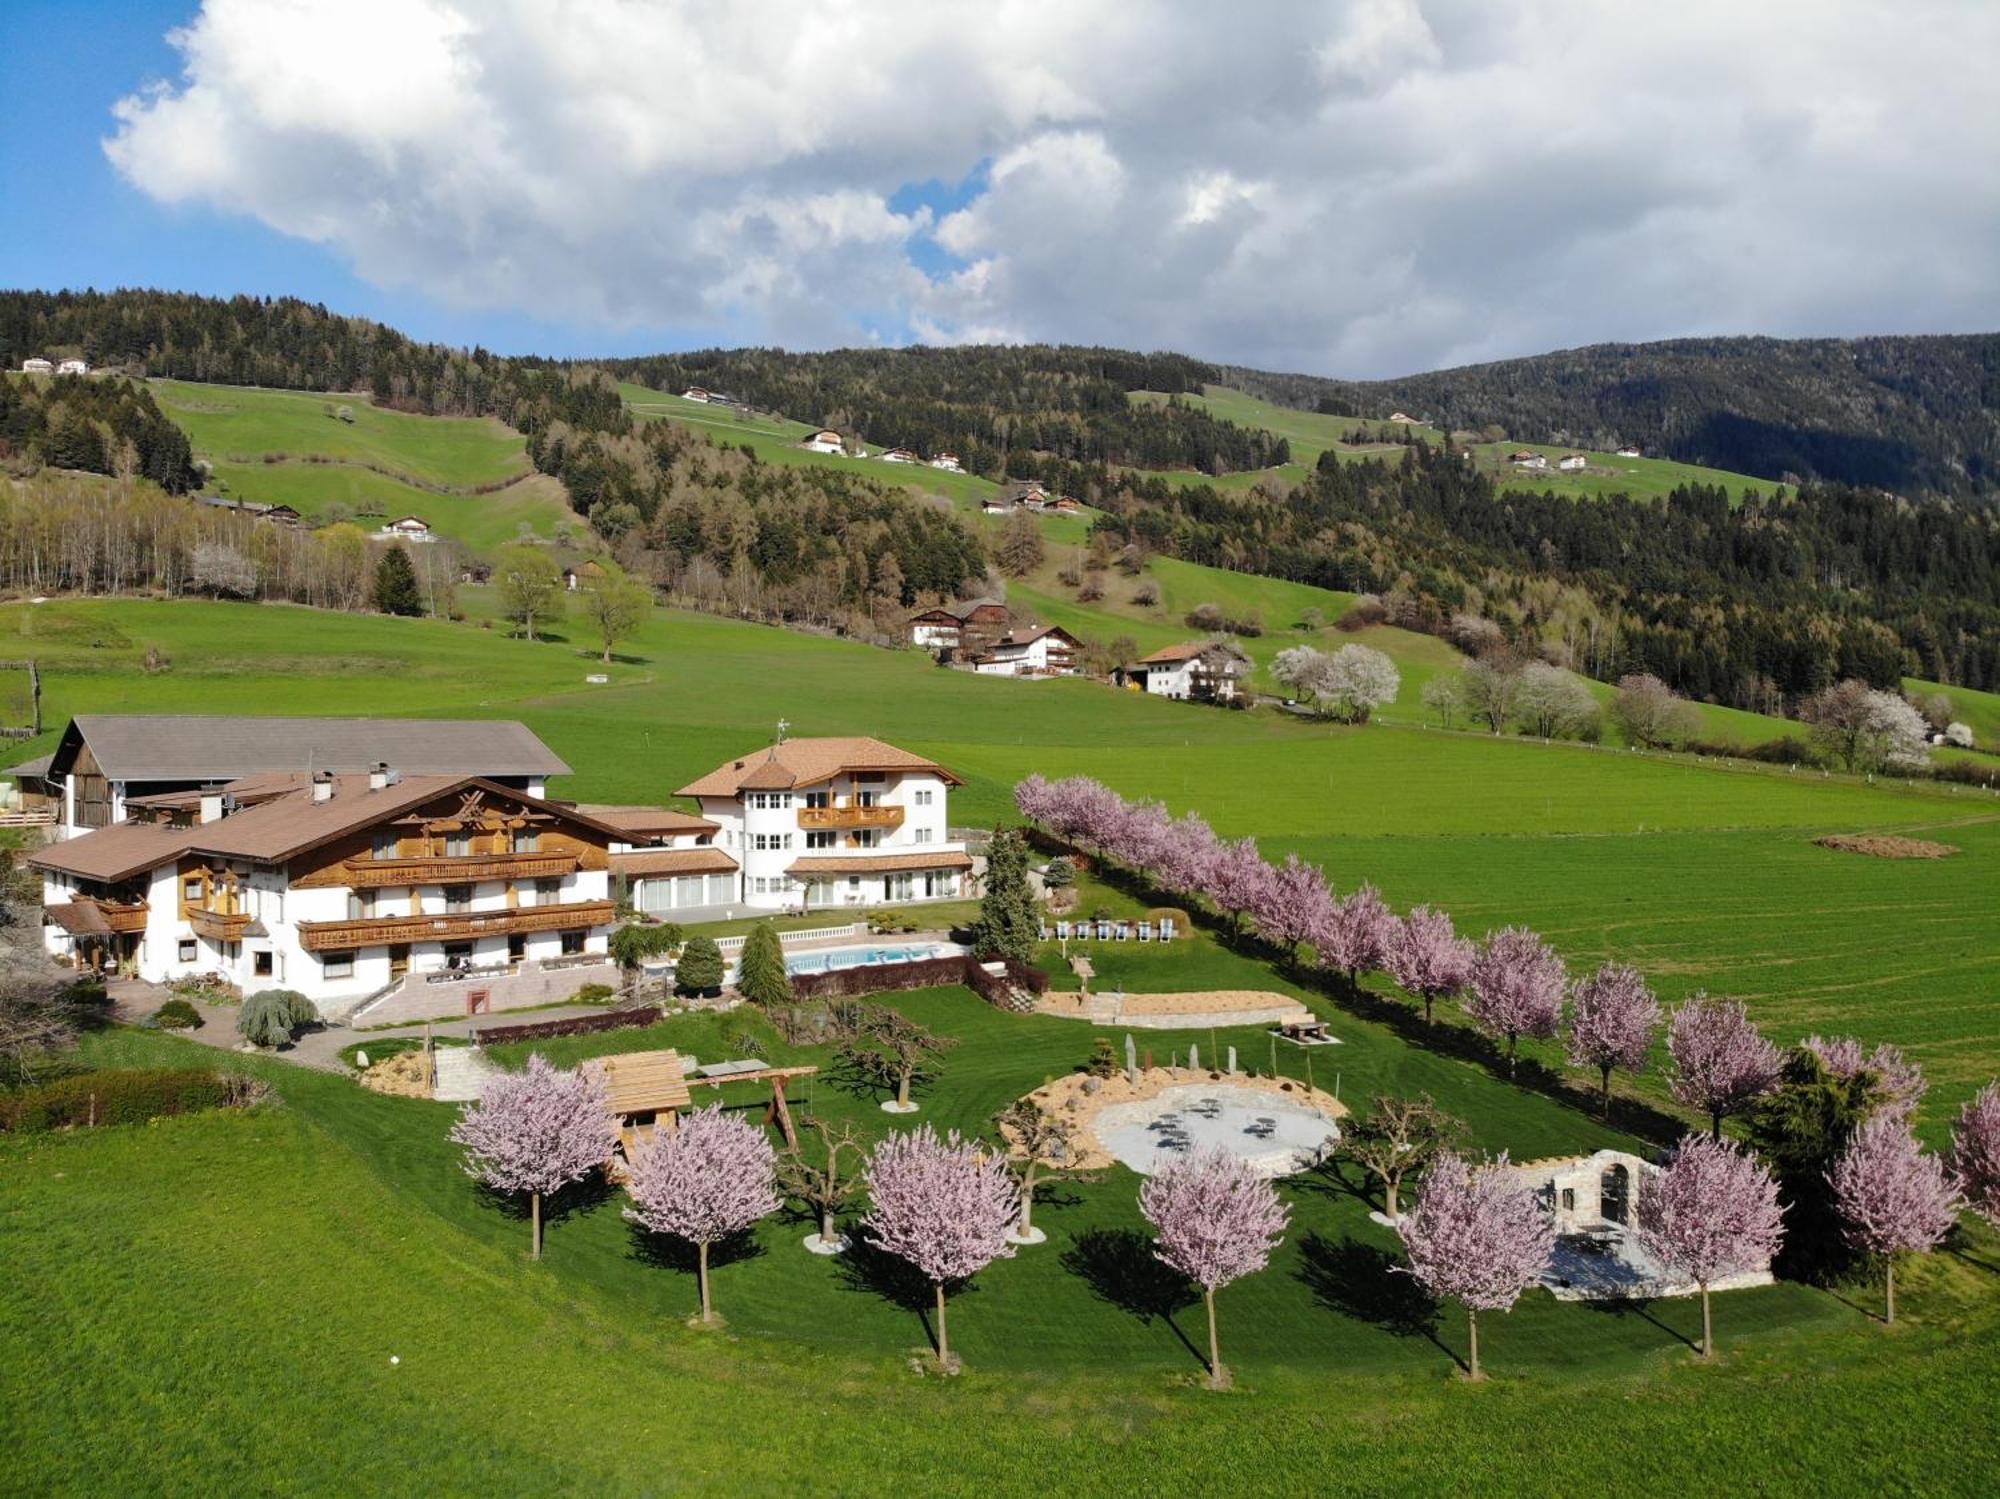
(105, 761)
(1628, 451)
(73, 367)
(899, 455)
(697, 393)
(283, 515)
(337, 885)
(826, 440)
(969, 629)
(583, 575)
(835, 822)
(1197, 670)
(1594, 1201)
(1401, 416)
(948, 462)
(1065, 505)
(37, 367)
(1028, 494)
(1572, 463)
(668, 860)
(1046, 652)
(1523, 458)
(408, 528)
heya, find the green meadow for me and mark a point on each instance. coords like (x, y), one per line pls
(213, 1303)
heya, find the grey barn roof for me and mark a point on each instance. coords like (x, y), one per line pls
(215, 747)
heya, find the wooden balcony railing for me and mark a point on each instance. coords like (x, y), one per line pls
(453, 926)
(217, 926)
(850, 817)
(456, 869)
(120, 916)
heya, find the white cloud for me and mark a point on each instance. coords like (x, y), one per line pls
(1353, 186)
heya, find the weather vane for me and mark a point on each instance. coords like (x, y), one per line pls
(783, 724)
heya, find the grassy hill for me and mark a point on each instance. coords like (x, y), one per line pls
(1312, 433)
(469, 477)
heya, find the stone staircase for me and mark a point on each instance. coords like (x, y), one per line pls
(462, 1074)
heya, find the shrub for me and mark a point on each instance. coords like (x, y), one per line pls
(761, 976)
(700, 966)
(271, 1017)
(637, 941)
(892, 921)
(114, 1097)
(177, 1015)
(1059, 874)
(1147, 595)
(1103, 1060)
(592, 994)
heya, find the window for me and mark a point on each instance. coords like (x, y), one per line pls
(864, 798)
(819, 840)
(188, 951)
(458, 897)
(386, 845)
(924, 797)
(191, 890)
(527, 841)
(260, 963)
(920, 835)
(517, 947)
(1569, 1199)
(458, 843)
(864, 838)
(337, 965)
(818, 799)
(548, 892)
(771, 801)
(769, 842)
(360, 904)
(572, 943)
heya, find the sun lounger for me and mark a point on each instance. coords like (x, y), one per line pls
(1124, 931)
(1103, 931)
(1145, 931)
(1062, 931)
(1166, 931)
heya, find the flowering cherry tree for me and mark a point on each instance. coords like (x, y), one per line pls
(1712, 1212)
(1185, 854)
(1357, 933)
(1476, 1236)
(1236, 879)
(1517, 987)
(1427, 957)
(1975, 1153)
(1721, 1063)
(536, 1131)
(712, 1177)
(1893, 1195)
(1292, 905)
(1899, 1081)
(1613, 1020)
(944, 1205)
(1217, 1220)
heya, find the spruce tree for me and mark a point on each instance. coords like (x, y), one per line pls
(700, 966)
(761, 976)
(1007, 925)
(396, 590)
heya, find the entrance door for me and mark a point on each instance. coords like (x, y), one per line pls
(1615, 1200)
(399, 959)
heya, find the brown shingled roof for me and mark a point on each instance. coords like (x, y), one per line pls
(653, 821)
(673, 861)
(116, 853)
(882, 864)
(808, 762)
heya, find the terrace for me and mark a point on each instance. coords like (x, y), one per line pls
(339, 936)
(363, 873)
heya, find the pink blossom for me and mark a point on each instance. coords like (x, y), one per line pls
(1236, 878)
(1218, 1220)
(943, 1205)
(1975, 1152)
(1186, 854)
(1893, 1195)
(712, 1177)
(1426, 957)
(1357, 933)
(1900, 1081)
(1477, 1236)
(1614, 1020)
(1721, 1064)
(1293, 904)
(1711, 1213)
(536, 1131)
(1518, 985)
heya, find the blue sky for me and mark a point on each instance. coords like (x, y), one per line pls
(1347, 187)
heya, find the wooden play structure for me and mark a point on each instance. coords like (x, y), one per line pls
(647, 1090)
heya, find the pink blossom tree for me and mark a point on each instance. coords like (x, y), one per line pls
(1292, 905)
(1613, 1020)
(1236, 879)
(1518, 985)
(1477, 1236)
(1712, 1212)
(1357, 934)
(1721, 1062)
(1427, 958)
(1975, 1152)
(1217, 1220)
(1899, 1081)
(1894, 1196)
(944, 1205)
(536, 1131)
(1185, 855)
(711, 1178)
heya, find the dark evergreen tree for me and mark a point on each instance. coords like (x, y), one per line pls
(396, 590)
(1799, 1128)
(1007, 925)
(761, 975)
(701, 966)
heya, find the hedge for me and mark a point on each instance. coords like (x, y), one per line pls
(579, 1025)
(924, 973)
(120, 1097)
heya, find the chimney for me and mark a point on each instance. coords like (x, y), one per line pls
(211, 806)
(322, 784)
(379, 776)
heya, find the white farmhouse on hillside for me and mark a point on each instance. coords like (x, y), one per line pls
(1526, 458)
(835, 822)
(948, 462)
(407, 528)
(1628, 451)
(37, 367)
(899, 455)
(73, 367)
(1572, 463)
(697, 393)
(826, 440)
(1195, 670)
(1046, 652)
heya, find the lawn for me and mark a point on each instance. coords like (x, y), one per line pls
(479, 522)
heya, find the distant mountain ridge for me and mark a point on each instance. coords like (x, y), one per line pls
(1918, 414)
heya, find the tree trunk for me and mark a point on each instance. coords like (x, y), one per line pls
(1472, 1331)
(707, 1306)
(1605, 1110)
(903, 1088)
(1390, 1186)
(1715, 1124)
(826, 1225)
(1027, 1207)
(1513, 1040)
(943, 1340)
(535, 1231)
(607, 653)
(1214, 1347)
(1890, 1304)
(1707, 1326)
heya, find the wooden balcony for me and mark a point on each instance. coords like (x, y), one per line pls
(217, 926)
(850, 817)
(455, 869)
(120, 916)
(454, 926)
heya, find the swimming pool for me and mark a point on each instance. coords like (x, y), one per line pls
(869, 955)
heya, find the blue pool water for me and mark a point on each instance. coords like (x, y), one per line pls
(858, 957)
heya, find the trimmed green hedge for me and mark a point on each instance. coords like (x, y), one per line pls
(122, 1097)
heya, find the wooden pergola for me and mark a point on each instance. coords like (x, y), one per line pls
(646, 1090)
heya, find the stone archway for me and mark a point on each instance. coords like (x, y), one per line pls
(1615, 1195)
